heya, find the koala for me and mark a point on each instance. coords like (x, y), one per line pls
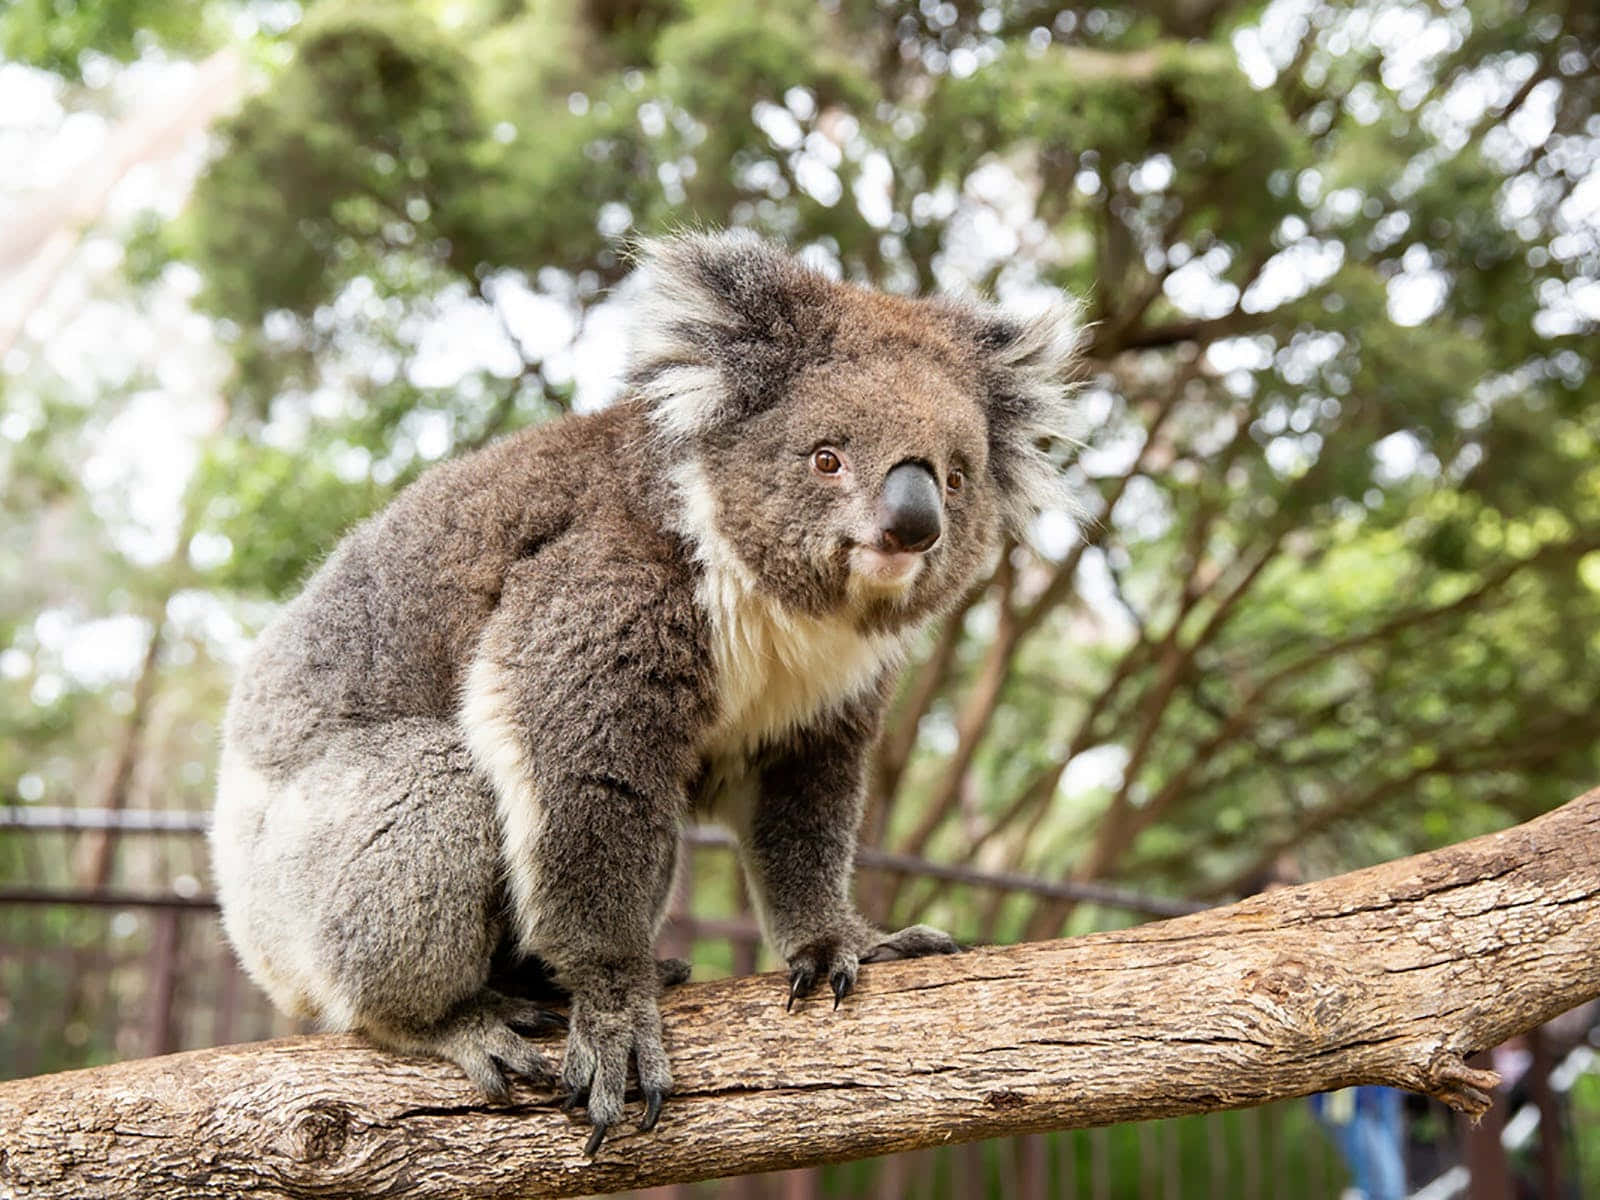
(458, 763)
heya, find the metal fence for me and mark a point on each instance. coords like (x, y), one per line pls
(93, 975)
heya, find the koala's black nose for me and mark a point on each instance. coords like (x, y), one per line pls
(910, 515)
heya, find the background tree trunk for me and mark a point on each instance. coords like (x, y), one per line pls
(1389, 975)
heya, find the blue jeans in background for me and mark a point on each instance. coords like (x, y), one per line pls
(1365, 1124)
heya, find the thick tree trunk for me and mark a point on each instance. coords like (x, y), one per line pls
(1389, 975)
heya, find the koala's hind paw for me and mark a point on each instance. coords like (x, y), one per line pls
(831, 958)
(609, 1026)
(914, 941)
(488, 1043)
(532, 978)
(528, 1017)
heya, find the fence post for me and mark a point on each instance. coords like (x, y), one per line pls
(1482, 1150)
(1552, 1143)
(164, 981)
(1032, 1151)
(677, 937)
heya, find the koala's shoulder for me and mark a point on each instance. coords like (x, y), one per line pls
(528, 486)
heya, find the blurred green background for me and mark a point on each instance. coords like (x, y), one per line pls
(1334, 593)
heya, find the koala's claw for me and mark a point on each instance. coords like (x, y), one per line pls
(653, 1100)
(800, 981)
(592, 1146)
(842, 984)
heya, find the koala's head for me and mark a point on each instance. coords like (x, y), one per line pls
(854, 452)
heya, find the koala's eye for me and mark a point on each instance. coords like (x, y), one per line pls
(956, 480)
(826, 461)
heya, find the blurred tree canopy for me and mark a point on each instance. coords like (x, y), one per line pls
(1336, 589)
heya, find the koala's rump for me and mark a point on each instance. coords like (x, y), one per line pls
(365, 881)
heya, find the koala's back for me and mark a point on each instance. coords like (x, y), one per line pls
(385, 627)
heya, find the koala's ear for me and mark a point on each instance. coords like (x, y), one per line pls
(722, 321)
(1027, 361)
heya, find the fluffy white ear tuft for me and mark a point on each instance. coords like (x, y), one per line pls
(720, 316)
(1029, 360)
(670, 359)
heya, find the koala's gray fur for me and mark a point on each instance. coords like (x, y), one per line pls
(466, 749)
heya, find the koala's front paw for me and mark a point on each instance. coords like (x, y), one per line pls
(914, 941)
(835, 957)
(832, 957)
(611, 1023)
(672, 971)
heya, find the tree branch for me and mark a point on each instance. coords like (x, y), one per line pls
(1390, 975)
(1113, 838)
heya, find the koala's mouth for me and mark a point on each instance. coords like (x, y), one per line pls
(884, 570)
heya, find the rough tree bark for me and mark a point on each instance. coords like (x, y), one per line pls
(1390, 975)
